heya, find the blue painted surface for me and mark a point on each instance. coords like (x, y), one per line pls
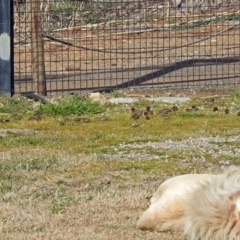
(6, 48)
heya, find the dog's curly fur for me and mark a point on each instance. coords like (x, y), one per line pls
(204, 206)
(168, 203)
(213, 208)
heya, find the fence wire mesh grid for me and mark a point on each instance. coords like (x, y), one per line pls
(106, 45)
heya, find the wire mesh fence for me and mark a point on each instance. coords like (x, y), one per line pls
(143, 45)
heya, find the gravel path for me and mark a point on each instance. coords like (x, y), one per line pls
(196, 148)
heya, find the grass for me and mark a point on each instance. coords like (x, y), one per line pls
(72, 105)
(90, 180)
(14, 105)
(118, 94)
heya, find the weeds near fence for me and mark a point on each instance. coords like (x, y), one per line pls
(72, 105)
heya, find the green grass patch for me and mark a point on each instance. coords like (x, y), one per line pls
(15, 105)
(72, 105)
(118, 94)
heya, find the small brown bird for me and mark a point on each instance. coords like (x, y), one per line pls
(135, 116)
(238, 113)
(35, 118)
(135, 113)
(67, 120)
(174, 108)
(37, 113)
(16, 117)
(215, 109)
(226, 111)
(133, 109)
(103, 119)
(149, 111)
(164, 111)
(86, 120)
(166, 117)
(62, 123)
(194, 108)
(5, 121)
(77, 119)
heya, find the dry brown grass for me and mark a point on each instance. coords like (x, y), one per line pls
(91, 180)
(56, 204)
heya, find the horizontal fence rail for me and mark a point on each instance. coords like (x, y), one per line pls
(103, 45)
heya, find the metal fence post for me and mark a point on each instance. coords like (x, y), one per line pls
(6, 48)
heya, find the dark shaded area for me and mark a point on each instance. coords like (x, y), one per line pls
(35, 97)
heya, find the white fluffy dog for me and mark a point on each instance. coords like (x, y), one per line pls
(204, 206)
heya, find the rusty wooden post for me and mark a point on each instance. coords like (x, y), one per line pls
(37, 48)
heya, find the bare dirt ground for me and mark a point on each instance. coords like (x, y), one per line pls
(148, 53)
